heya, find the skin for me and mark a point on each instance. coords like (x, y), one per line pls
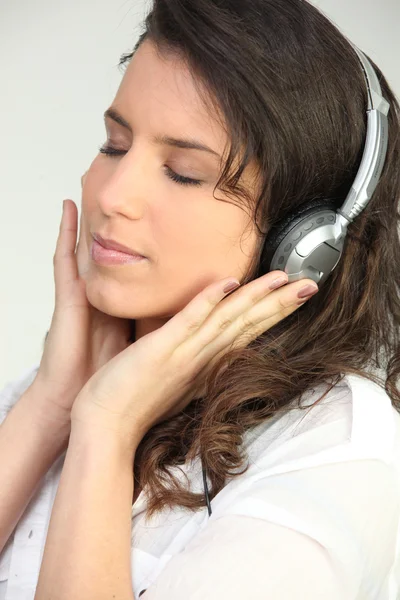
(190, 239)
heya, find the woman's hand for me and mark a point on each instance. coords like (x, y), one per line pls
(81, 339)
(158, 376)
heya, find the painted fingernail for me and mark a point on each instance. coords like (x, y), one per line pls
(308, 291)
(230, 286)
(278, 282)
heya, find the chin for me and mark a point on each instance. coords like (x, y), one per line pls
(119, 303)
(109, 304)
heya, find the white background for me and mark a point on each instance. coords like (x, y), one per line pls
(58, 64)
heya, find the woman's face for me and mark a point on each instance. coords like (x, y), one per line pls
(189, 238)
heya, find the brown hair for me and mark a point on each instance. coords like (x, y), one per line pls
(293, 95)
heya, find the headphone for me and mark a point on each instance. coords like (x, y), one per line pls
(309, 243)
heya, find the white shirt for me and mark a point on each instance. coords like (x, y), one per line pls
(316, 515)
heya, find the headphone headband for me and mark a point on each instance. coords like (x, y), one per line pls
(375, 146)
(309, 243)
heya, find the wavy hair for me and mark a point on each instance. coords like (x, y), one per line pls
(293, 96)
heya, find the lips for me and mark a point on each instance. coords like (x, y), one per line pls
(113, 245)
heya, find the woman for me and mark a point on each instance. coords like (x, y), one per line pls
(302, 504)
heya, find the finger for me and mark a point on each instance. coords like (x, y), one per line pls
(82, 249)
(191, 319)
(187, 321)
(64, 260)
(240, 314)
(250, 326)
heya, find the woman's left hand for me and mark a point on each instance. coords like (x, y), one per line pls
(158, 375)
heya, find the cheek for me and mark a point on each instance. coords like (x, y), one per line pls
(191, 236)
(188, 256)
(218, 241)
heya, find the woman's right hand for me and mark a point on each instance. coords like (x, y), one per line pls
(81, 338)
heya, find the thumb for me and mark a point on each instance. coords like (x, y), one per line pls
(83, 179)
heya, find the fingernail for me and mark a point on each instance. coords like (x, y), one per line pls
(278, 282)
(230, 286)
(308, 291)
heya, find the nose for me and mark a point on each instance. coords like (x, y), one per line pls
(126, 190)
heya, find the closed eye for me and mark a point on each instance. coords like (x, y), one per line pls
(113, 152)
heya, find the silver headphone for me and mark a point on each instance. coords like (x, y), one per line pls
(309, 243)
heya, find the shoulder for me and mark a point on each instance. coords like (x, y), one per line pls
(355, 420)
(14, 389)
(320, 501)
(331, 474)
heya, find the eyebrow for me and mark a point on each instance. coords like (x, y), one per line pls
(164, 140)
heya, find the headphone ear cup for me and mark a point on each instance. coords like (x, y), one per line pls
(281, 229)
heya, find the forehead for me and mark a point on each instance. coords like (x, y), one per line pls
(158, 94)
